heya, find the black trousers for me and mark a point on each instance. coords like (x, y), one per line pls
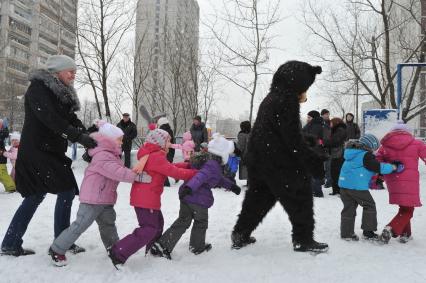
(127, 158)
(336, 165)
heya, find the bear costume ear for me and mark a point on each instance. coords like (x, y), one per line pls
(317, 70)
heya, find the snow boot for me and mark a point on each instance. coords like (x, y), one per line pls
(57, 259)
(313, 246)
(158, 250)
(206, 248)
(115, 261)
(405, 238)
(18, 252)
(353, 237)
(239, 240)
(370, 235)
(386, 235)
(76, 249)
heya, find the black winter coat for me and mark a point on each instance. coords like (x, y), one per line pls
(352, 131)
(336, 141)
(199, 135)
(314, 129)
(130, 133)
(42, 166)
(171, 153)
(4, 133)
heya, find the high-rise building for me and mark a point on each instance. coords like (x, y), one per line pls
(166, 60)
(31, 31)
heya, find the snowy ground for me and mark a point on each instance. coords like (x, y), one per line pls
(271, 259)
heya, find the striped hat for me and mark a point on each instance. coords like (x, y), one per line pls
(158, 137)
(370, 141)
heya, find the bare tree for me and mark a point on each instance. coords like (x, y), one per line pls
(245, 33)
(366, 39)
(102, 26)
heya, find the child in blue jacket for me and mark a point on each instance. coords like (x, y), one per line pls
(359, 166)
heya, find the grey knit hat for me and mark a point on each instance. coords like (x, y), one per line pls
(158, 137)
(58, 63)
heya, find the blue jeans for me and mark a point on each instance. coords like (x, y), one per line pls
(13, 239)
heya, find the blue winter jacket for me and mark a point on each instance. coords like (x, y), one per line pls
(358, 168)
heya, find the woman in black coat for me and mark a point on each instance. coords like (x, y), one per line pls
(243, 138)
(42, 166)
(336, 143)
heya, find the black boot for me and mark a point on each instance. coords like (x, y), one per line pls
(239, 240)
(370, 235)
(206, 248)
(115, 261)
(18, 252)
(312, 246)
(158, 250)
(74, 249)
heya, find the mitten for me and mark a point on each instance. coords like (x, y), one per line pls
(143, 178)
(399, 166)
(235, 189)
(186, 191)
(86, 157)
(86, 141)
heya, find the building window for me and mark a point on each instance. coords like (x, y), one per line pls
(19, 53)
(18, 26)
(18, 39)
(26, 14)
(17, 66)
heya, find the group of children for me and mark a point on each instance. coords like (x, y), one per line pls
(98, 193)
(8, 179)
(367, 163)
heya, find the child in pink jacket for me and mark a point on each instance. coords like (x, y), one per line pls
(400, 146)
(98, 192)
(12, 153)
(187, 146)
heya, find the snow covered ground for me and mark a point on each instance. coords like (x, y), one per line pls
(271, 259)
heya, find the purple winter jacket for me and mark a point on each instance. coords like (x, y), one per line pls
(209, 176)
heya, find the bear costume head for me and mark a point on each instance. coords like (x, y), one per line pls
(295, 77)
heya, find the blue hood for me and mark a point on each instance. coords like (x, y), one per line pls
(352, 153)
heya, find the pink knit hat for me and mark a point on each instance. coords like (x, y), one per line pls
(109, 130)
(158, 137)
(401, 126)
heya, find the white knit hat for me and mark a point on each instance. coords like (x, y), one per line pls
(162, 121)
(15, 136)
(109, 130)
(58, 63)
(158, 137)
(221, 147)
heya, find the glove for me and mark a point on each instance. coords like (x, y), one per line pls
(186, 191)
(143, 178)
(86, 141)
(235, 189)
(376, 182)
(399, 166)
(86, 157)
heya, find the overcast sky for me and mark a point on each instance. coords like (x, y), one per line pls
(291, 37)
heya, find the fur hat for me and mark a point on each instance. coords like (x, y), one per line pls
(370, 141)
(314, 114)
(401, 126)
(58, 63)
(187, 136)
(221, 147)
(158, 137)
(295, 76)
(109, 130)
(162, 121)
(15, 136)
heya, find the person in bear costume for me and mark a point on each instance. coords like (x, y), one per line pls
(280, 162)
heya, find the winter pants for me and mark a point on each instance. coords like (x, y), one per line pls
(151, 224)
(13, 239)
(335, 166)
(127, 158)
(316, 185)
(6, 179)
(104, 215)
(187, 213)
(401, 222)
(295, 195)
(351, 199)
(327, 169)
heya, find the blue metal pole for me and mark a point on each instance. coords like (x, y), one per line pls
(399, 89)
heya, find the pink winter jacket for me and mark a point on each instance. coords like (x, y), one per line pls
(12, 154)
(187, 146)
(404, 188)
(104, 172)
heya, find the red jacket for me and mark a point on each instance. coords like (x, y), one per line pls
(404, 188)
(149, 195)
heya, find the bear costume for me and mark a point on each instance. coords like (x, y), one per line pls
(280, 163)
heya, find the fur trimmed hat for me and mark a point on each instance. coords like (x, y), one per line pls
(158, 137)
(109, 130)
(295, 76)
(221, 147)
